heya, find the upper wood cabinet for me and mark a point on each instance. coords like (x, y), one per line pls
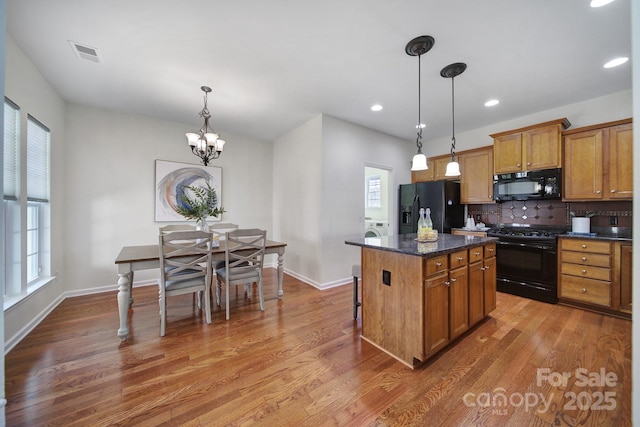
(598, 162)
(476, 176)
(437, 167)
(425, 175)
(531, 148)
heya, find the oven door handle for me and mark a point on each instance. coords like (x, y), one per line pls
(527, 245)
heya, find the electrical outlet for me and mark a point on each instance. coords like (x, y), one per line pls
(613, 220)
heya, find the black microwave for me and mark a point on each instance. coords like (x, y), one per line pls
(531, 185)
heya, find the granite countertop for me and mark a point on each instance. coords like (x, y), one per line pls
(618, 234)
(405, 244)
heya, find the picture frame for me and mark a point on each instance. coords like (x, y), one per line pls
(171, 176)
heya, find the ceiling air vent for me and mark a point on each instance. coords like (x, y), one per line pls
(86, 52)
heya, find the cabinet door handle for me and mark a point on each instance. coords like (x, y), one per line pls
(460, 258)
(454, 280)
(518, 164)
(613, 191)
(483, 268)
(486, 268)
(584, 259)
(476, 253)
(528, 163)
(584, 290)
(438, 264)
(584, 271)
(447, 283)
(584, 246)
(491, 250)
(597, 191)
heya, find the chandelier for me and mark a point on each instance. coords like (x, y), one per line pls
(417, 47)
(205, 144)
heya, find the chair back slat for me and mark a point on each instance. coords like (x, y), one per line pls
(244, 251)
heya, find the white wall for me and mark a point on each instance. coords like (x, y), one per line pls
(110, 181)
(25, 86)
(297, 198)
(318, 193)
(616, 106)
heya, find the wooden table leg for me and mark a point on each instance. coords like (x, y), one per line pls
(280, 272)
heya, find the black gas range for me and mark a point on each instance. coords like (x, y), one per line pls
(526, 259)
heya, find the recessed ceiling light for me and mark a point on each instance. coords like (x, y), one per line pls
(376, 107)
(616, 62)
(598, 3)
(491, 103)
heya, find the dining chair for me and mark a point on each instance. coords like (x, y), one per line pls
(244, 256)
(185, 266)
(182, 227)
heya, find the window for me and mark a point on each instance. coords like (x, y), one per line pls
(373, 192)
(37, 198)
(26, 219)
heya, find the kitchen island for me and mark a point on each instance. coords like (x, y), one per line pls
(419, 297)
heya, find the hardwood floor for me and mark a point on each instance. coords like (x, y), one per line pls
(301, 362)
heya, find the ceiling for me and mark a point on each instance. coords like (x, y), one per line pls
(275, 64)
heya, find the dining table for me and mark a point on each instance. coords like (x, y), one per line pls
(145, 257)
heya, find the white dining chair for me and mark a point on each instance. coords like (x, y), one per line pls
(244, 256)
(185, 266)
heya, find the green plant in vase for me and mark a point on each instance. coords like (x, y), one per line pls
(198, 203)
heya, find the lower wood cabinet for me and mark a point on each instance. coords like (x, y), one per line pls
(595, 274)
(482, 282)
(626, 275)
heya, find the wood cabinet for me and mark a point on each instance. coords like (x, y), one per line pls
(414, 306)
(598, 162)
(446, 303)
(476, 179)
(585, 271)
(531, 148)
(626, 275)
(425, 175)
(595, 274)
(437, 167)
(482, 282)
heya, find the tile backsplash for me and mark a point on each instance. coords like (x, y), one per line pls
(552, 212)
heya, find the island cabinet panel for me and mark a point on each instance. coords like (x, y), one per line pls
(458, 302)
(482, 282)
(416, 303)
(436, 303)
(393, 314)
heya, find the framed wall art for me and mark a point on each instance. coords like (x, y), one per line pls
(172, 177)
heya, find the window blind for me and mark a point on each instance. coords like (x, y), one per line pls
(11, 138)
(37, 161)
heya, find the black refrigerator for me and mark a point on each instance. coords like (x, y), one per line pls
(442, 197)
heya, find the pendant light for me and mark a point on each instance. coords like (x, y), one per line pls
(450, 72)
(417, 47)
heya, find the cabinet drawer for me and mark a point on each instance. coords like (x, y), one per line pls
(436, 265)
(596, 260)
(476, 254)
(458, 259)
(585, 290)
(490, 250)
(579, 245)
(587, 271)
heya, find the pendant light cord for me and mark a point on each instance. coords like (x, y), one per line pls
(453, 122)
(419, 138)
